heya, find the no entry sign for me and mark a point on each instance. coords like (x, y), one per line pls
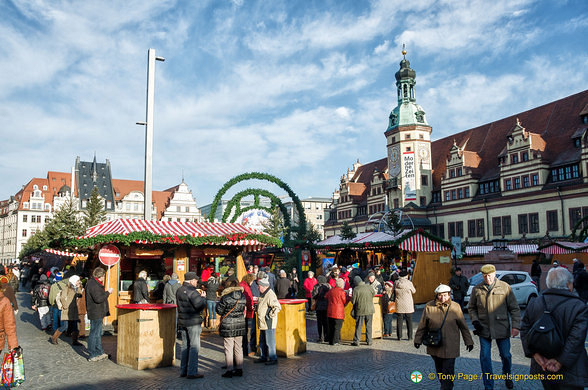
(109, 255)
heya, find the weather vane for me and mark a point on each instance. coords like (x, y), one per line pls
(404, 50)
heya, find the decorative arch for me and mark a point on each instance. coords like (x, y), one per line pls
(235, 202)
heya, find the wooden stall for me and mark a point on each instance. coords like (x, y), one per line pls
(348, 328)
(291, 328)
(146, 335)
(565, 252)
(161, 248)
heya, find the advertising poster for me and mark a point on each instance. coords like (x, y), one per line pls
(409, 177)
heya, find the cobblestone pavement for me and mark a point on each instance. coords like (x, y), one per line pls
(387, 364)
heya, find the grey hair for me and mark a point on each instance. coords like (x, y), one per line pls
(174, 276)
(310, 273)
(143, 274)
(559, 278)
(340, 283)
(282, 272)
(261, 275)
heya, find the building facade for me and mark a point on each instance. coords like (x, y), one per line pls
(315, 209)
(523, 177)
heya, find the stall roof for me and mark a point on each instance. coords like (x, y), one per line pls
(562, 248)
(66, 253)
(128, 231)
(520, 249)
(410, 240)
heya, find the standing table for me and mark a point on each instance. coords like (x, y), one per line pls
(348, 328)
(291, 328)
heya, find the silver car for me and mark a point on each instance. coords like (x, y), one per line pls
(523, 287)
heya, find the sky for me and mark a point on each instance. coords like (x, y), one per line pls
(297, 89)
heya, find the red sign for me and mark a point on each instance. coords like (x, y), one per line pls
(109, 255)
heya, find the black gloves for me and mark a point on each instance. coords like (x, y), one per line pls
(478, 327)
(417, 345)
(469, 348)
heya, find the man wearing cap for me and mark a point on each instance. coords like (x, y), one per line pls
(491, 304)
(363, 306)
(268, 307)
(191, 303)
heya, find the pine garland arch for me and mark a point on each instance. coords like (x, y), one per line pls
(235, 202)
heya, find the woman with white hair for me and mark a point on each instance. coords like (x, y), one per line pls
(446, 316)
(570, 316)
(67, 302)
(140, 289)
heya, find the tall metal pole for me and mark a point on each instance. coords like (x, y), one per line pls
(149, 133)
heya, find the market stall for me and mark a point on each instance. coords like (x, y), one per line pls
(161, 247)
(564, 252)
(348, 328)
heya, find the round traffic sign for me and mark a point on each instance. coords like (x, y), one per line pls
(109, 255)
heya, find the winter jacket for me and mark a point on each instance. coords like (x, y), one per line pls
(190, 305)
(454, 324)
(268, 307)
(333, 283)
(140, 291)
(294, 280)
(492, 306)
(169, 291)
(337, 299)
(231, 309)
(250, 307)
(9, 293)
(7, 324)
(363, 300)
(404, 289)
(319, 294)
(272, 280)
(81, 302)
(581, 284)
(69, 305)
(55, 289)
(385, 299)
(376, 286)
(309, 284)
(96, 300)
(459, 286)
(211, 290)
(282, 288)
(37, 298)
(571, 318)
(254, 289)
(536, 270)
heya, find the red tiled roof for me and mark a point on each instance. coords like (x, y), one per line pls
(362, 178)
(553, 123)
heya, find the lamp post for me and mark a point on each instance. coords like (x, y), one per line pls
(148, 123)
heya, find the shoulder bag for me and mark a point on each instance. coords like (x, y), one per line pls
(432, 337)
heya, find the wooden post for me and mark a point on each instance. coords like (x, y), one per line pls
(181, 262)
(241, 270)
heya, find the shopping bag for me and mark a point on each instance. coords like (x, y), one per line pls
(7, 369)
(18, 374)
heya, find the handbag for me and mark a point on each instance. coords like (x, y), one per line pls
(313, 304)
(432, 337)
(391, 307)
(18, 373)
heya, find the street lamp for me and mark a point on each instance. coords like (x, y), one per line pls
(151, 58)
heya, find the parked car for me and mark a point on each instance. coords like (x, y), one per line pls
(523, 287)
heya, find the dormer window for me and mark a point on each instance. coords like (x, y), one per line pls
(514, 158)
(577, 142)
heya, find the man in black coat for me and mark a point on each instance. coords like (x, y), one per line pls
(97, 309)
(140, 289)
(191, 302)
(282, 286)
(459, 285)
(570, 315)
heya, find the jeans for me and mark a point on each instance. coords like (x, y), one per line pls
(249, 345)
(446, 367)
(95, 338)
(388, 318)
(267, 344)
(486, 358)
(334, 335)
(44, 316)
(56, 317)
(190, 349)
(368, 328)
(407, 317)
(211, 306)
(322, 325)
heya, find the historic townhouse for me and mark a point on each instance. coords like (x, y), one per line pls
(521, 177)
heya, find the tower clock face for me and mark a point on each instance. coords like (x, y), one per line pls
(394, 155)
(394, 160)
(423, 152)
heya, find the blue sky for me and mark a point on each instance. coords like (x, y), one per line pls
(298, 89)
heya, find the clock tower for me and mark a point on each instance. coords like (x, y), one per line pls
(408, 139)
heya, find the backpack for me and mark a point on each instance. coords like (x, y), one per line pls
(544, 337)
(44, 290)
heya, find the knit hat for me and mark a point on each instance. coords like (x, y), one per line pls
(190, 276)
(263, 282)
(58, 276)
(487, 269)
(74, 279)
(389, 283)
(442, 288)
(403, 274)
(357, 280)
(321, 279)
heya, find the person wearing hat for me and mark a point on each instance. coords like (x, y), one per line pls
(442, 313)
(404, 290)
(268, 307)
(493, 308)
(58, 285)
(388, 310)
(363, 307)
(191, 303)
(66, 300)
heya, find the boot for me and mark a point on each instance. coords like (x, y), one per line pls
(74, 338)
(55, 337)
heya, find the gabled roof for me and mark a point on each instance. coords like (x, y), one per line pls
(28, 189)
(124, 187)
(554, 123)
(362, 178)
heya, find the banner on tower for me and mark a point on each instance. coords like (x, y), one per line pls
(409, 178)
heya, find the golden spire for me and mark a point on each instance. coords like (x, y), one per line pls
(404, 50)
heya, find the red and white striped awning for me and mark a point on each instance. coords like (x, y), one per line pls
(174, 228)
(66, 253)
(520, 249)
(564, 248)
(421, 243)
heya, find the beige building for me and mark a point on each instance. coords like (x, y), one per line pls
(521, 177)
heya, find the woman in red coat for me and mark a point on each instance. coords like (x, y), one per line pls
(336, 311)
(249, 340)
